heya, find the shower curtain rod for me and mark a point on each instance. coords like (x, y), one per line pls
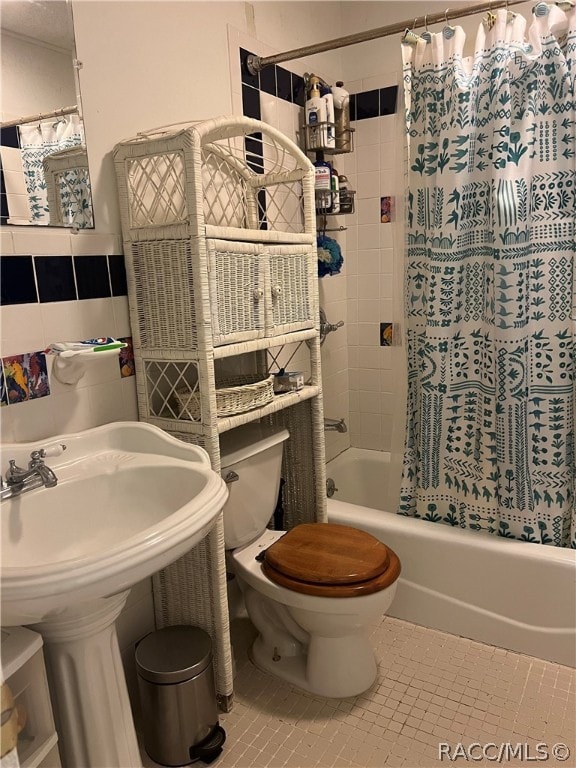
(41, 116)
(256, 64)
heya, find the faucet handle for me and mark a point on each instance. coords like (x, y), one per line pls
(44, 453)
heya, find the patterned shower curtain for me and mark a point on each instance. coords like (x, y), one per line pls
(490, 283)
(37, 141)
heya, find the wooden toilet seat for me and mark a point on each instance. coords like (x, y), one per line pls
(329, 560)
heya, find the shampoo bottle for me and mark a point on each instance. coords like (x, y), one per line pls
(315, 109)
(323, 185)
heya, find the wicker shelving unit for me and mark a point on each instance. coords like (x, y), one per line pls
(219, 229)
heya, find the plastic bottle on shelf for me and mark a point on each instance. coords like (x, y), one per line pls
(323, 185)
(346, 195)
(335, 187)
(326, 94)
(343, 137)
(315, 110)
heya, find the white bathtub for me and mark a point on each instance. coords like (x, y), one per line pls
(507, 593)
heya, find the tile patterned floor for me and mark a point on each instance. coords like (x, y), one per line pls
(432, 687)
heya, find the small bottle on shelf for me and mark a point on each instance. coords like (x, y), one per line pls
(315, 110)
(322, 184)
(335, 187)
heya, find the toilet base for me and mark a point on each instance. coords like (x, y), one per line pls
(333, 667)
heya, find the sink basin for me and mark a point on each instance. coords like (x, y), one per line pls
(130, 499)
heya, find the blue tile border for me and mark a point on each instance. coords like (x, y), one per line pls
(60, 278)
(286, 85)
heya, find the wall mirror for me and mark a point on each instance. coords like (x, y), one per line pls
(42, 147)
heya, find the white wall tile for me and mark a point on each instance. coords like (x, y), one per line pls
(95, 244)
(369, 262)
(106, 402)
(71, 410)
(96, 318)
(386, 235)
(370, 423)
(15, 184)
(18, 208)
(368, 184)
(368, 379)
(32, 420)
(367, 133)
(268, 110)
(58, 320)
(369, 357)
(41, 241)
(11, 159)
(368, 288)
(369, 210)
(121, 317)
(129, 399)
(369, 402)
(368, 236)
(367, 159)
(368, 310)
(22, 329)
(6, 242)
(8, 432)
(388, 158)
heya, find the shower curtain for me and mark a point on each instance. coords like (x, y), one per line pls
(490, 280)
(37, 141)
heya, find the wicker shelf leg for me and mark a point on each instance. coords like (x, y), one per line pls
(193, 591)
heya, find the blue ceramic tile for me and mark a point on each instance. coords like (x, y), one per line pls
(17, 284)
(92, 279)
(262, 210)
(367, 104)
(284, 84)
(55, 276)
(247, 77)
(298, 90)
(268, 80)
(250, 102)
(388, 97)
(118, 275)
(26, 377)
(3, 205)
(352, 106)
(253, 147)
(9, 137)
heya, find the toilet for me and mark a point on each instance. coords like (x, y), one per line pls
(310, 592)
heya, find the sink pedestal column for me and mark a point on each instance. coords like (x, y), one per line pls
(88, 687)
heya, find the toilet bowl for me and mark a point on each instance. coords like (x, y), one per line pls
(311, 592)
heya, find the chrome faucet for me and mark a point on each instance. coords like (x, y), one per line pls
(335, 425)
(19, 480)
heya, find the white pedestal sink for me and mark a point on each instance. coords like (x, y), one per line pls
(130, 499)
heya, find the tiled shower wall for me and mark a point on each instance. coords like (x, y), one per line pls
(361, 382)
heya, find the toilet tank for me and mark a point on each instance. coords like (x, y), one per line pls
(253, 453)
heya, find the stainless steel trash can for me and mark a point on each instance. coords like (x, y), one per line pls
(178, 697)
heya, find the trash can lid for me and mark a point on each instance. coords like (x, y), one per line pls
(173, 654)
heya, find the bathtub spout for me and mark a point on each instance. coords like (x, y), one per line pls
(335, 425)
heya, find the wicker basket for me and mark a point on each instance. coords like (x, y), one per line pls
(233, 395)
